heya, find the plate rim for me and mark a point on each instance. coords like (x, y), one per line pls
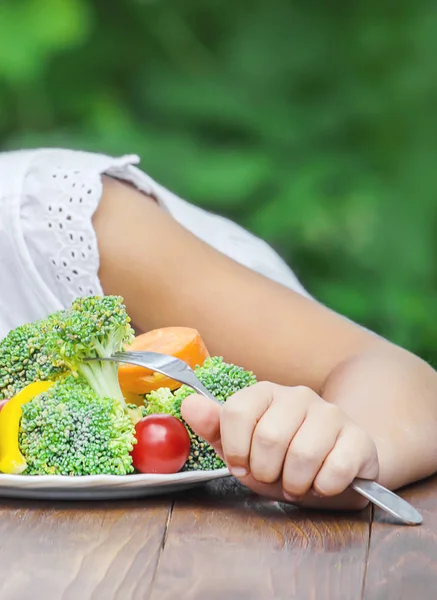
(141, 479)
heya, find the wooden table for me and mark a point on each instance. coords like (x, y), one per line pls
(216, 542)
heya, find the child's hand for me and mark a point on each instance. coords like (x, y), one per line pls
(285, 442)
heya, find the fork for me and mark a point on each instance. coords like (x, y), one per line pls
(179, 371)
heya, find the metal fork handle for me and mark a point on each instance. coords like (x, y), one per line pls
(387, 500)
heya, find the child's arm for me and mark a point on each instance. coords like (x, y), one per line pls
(168, 277)
(382, 406)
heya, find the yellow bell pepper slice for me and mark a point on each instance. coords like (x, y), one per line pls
(11, 459)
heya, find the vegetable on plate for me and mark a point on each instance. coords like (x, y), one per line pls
(163, 444)
(63, 415)
(219, 378)
(182, 342)
(11, 459)
(71, 430)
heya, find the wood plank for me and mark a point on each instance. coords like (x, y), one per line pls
(226, 543)
(403, 560)
(92, 551)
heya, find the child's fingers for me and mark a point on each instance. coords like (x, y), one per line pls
(272, 435)
(309, 448)
(353, 455)
(203, 416)
(239, 416)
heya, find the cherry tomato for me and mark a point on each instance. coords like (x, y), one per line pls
(163, 444)
(3, 402)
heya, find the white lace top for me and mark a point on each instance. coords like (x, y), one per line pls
(48, 248)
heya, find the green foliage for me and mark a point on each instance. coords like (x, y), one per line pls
(311, 124)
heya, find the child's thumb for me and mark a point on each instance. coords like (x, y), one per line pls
(203, 416)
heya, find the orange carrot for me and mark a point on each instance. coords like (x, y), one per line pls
(182, 342)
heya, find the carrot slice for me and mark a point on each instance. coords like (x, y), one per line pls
(182, 342)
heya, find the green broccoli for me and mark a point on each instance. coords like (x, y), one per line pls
(93, 327)
(70, 430)
(50, 348)
(162, 401)
(82, 425)
(222, 380)
(25, 357)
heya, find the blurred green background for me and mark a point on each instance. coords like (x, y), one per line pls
(312, 124)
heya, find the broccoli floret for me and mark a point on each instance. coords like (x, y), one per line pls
(26, 358)
(70, 430)
(50, 348)
(94, 327)
(81, 425)
(222, 380)
(162, 401)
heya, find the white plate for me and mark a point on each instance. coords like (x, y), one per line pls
(101, 487)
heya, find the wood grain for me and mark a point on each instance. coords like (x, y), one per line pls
(225, 543)
(92, 551)
(216, 542)
(402, 561)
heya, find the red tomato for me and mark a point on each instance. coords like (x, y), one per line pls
(163, 444)
(3, 402)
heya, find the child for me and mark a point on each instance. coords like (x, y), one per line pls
(345, 402)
